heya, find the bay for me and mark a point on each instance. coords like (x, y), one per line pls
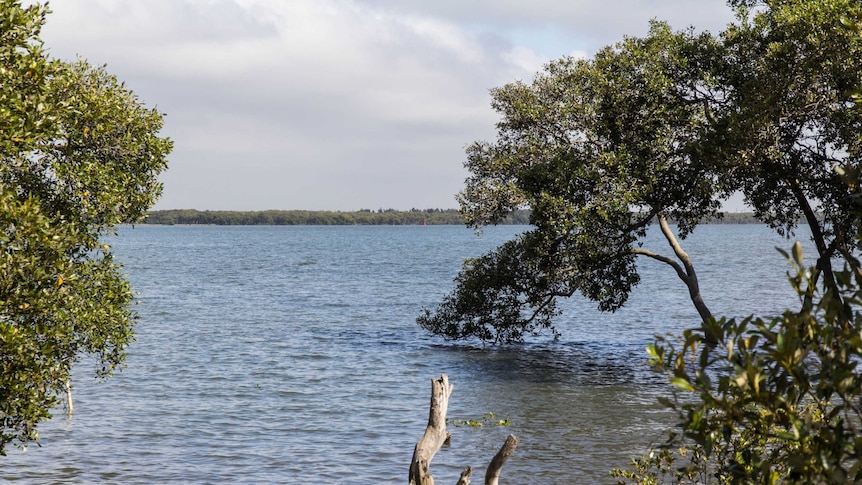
(285, 354)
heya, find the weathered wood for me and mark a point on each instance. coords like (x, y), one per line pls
(496, 465)
(69, 407)
(435, 433)
(465, 476)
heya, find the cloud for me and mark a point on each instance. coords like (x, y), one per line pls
(329, 104)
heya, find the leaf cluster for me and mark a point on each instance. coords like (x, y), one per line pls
(79, 153)
(666, 126)
(772, 400)
(500, 296)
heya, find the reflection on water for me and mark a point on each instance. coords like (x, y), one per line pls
(291, 355)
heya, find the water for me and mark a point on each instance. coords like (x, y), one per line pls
(291, 355)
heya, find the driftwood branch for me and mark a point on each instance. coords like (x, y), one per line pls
(465, 476)
(436, 435)
(69, 407)
(496, 466)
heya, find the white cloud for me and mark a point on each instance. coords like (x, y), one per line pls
(524, 59)
(331, 104)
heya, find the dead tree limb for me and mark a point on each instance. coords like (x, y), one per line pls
(69, 407)
(435, 433)
(496, 465)
(465, 476)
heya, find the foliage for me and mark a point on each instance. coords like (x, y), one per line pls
(777, 400)
(492, 292)
(783, 143)
(388, 217)
(658, 466)
(772, 400)
(488, 419)
(316, 218)
(662, 127)
(586, 143)
(80, 153)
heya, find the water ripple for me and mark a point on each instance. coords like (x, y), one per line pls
(290, 355)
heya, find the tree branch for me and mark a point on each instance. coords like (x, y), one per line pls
(496, 465)
(664, 259)
(435, 433)
(691, 275)
(465, 476)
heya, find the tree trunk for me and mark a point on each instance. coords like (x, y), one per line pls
(435, 433)
(690, 278)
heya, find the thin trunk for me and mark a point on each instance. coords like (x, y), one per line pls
(690, 278)
(824, 259)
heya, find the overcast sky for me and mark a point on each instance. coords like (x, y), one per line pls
(336, 104)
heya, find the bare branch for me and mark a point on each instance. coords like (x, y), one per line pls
(435, 433)
(465, 476)
(664, 259)
(691, 275)
(496, 465)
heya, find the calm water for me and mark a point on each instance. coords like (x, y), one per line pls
(291, 355)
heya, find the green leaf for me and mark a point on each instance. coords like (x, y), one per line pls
(682, 384)
(797, 253)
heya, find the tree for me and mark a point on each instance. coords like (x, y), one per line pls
(787, 140)
(766, 109)
(80, 154)
(777, 400)
(598, 149)
(662, 129)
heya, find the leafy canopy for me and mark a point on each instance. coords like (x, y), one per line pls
(80, 154)
(658, 129)
(663, 128)
(597, 149)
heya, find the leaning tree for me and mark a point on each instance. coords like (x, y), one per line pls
(598, 149)
(663, 129)
(658, 129)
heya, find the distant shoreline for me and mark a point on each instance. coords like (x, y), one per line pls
(364, 217)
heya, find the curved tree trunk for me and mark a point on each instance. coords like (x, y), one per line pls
(685, 271)
(691, 276)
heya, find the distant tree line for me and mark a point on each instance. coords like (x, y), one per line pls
(362, 217)
(727, 218)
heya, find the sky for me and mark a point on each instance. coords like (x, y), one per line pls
(336, 104)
